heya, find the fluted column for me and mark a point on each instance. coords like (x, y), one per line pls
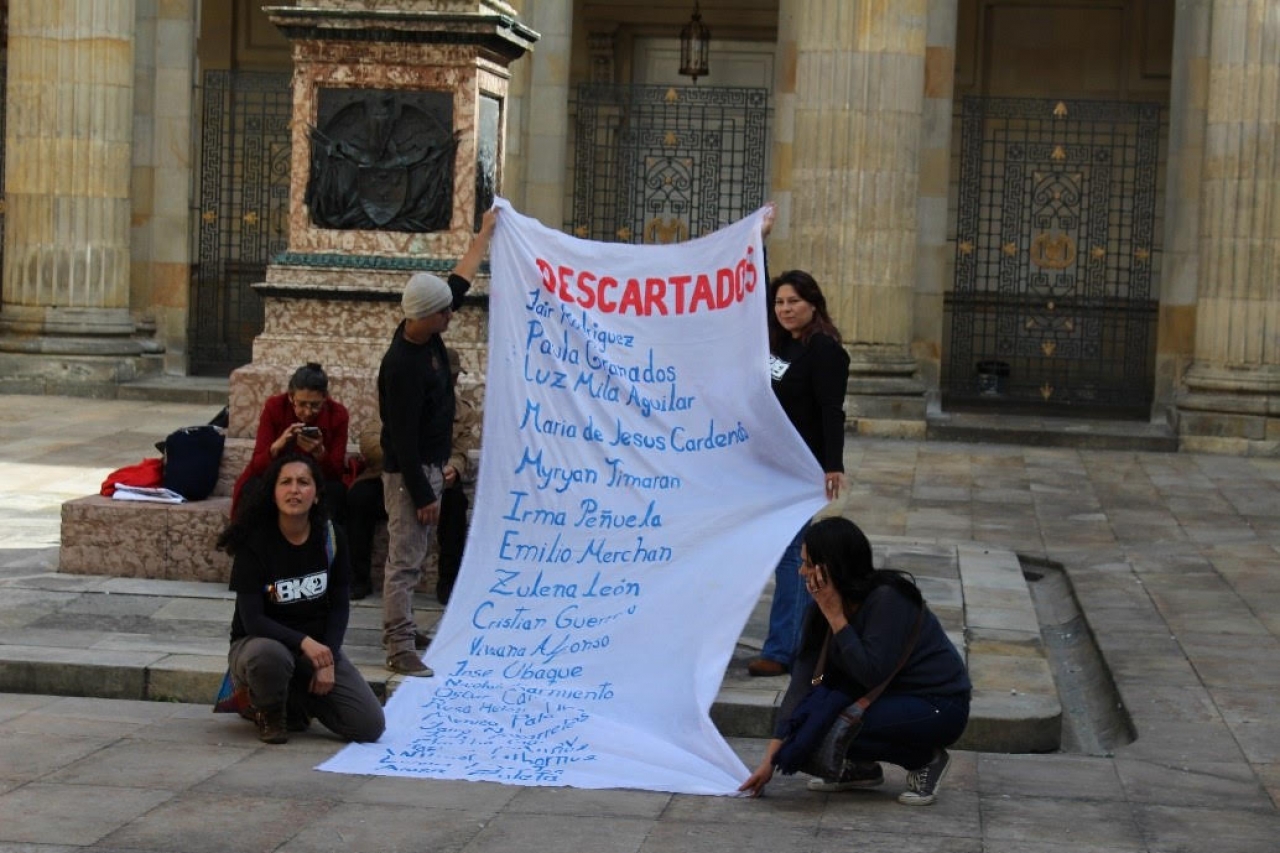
(548, 109)
(854, 175)
(1232, 391)
(67, 170)
(935, 257)
(1180, 267)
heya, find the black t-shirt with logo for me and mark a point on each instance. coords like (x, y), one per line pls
(300, 591)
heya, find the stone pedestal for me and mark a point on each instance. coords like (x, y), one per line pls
(68, 141)
(1230, 410)
(333, 297)
(1230, 399)
(885, 396)
(852, 78)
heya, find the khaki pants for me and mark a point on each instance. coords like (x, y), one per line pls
(407, 544)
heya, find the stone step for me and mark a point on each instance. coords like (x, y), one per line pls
(167, 388)
(166, 640)
(174, 648)
(1002, 427)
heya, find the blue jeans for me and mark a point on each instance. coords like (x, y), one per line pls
(790, 598)
(906, 730)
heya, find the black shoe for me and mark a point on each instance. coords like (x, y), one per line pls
(856, 774)
(271, 725)
(922, 784)
(360, 589)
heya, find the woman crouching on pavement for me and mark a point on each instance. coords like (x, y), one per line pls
(867, 619)
(291, 575)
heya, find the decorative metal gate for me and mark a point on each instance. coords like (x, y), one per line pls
(244, 212)
(1052, 304)
(660, 164)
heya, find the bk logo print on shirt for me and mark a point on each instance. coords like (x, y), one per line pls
(299, 589)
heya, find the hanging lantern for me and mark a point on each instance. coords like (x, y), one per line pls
(695, 46)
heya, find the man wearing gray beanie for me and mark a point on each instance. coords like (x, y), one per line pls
(416, 403)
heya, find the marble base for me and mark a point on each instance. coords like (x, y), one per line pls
(109, 324)
(884, 385)
(57, 368)
(251, 385)
(1230, 411)
(344, 321)
(102, 536)
(356, 388)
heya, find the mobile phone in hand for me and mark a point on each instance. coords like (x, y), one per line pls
(310, 431)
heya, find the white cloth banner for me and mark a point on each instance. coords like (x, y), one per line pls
(638, 483)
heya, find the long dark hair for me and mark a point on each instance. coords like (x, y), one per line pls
(806, 287)
(842, 549)
(257, 510)
(310, 377)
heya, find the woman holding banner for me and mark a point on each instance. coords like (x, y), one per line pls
(291, 575)
(869, 632)
(810, 372)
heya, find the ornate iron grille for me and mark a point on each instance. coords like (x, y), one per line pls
(244, 209)
(660, 164)
(1055, 237)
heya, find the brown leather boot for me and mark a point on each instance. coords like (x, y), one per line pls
(271, 725)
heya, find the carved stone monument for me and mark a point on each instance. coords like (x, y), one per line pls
(399, 112)
(398, 118)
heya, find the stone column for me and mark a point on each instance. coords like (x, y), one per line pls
(1231, 397)
(1188, 94)
(935, 267)
(854, 174)
(162, 163)
(548, 110)
(67, 170)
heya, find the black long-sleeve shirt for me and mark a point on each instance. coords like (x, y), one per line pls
(287, 592)
(416, 403)
(809, 380)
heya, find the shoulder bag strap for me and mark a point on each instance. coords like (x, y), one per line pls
(330, 543)
(874, 693)
(820, 668)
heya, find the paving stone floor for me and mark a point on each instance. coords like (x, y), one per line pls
(1173, 558)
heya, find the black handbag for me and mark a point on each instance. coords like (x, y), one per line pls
(824, 724)
(192, 456)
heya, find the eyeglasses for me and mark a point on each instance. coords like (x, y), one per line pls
(309, 405)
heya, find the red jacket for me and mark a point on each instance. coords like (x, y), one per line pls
(277, 416)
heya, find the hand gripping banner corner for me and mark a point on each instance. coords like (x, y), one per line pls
(638, 483)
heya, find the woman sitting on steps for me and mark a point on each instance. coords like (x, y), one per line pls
(291, 575)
